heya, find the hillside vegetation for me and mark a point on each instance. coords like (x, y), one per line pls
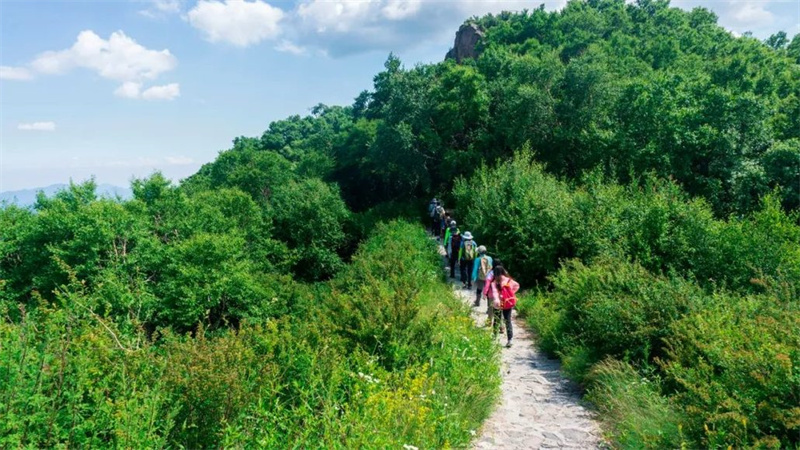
(636, 165)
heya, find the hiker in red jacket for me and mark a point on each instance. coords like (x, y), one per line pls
(502, 290)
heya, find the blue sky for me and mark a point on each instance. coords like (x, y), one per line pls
(118, 89)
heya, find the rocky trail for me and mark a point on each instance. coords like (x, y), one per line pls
(539, 408)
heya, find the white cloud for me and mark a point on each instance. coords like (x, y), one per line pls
(338, 16)
(118, 58)
(341, 27)
(128, 89)
(133, 90)
(15, 73)
(167, 6)
(288, 47)
(162, 8)
(37, 126)
(237, 22)
(400, 9)
(750, 13)
(165, 92)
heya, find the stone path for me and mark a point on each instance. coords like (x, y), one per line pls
(539, 408)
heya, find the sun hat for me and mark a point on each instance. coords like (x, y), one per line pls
(467, 235)
(481, 249)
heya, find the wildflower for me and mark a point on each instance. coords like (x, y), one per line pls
(369, 378)
(472, 432)
(409, 447)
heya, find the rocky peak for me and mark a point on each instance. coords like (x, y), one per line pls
(467, 39)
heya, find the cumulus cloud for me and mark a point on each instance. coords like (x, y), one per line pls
(761, 17)
(164, 92)
(750, 14)
(338, 27)
(129, 89)
(342, 27)
(162, 8)
(15, 73)
(400, 9)
(338, 16)
(236, 22)
(118, 58)
(134, 90)
(37, 126)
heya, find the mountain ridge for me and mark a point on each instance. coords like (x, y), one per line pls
(27, 197)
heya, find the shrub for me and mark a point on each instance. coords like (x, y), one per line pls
(521, 214)
(418, 373)
(617, 309)
(734, 365)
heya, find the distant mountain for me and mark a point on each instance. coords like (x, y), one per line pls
(27, 197)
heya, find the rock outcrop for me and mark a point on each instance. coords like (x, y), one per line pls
(467, 39)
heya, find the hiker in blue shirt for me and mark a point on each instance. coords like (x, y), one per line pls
(481, 268)
(466, 257)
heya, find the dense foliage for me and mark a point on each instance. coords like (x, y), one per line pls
(653, 197)
(685, 328)
(602, 85)
(381, 356)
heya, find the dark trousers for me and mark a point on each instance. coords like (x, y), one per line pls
(466, 272)
(506, 314)
(453, 261)
(479, 291)
(435, 226)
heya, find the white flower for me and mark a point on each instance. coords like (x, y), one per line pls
(409, 447)
(369, 378)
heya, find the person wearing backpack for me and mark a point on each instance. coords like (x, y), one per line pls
(481, 268)
(448, 231)
(452, 243)
(502, 289)
(445, 222)
(434, 215)
(466, 258)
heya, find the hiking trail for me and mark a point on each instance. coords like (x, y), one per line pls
(539, 407)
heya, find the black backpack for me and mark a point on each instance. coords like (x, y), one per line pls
(455, 245)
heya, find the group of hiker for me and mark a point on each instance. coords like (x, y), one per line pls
(491, 280)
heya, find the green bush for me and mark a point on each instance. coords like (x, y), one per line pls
(702, 311)
(618, 309)
(522, 215)
(734, 368)
(72, 379)
(333, 371)
(534, 222)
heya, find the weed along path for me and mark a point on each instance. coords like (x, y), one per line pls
(539, 408)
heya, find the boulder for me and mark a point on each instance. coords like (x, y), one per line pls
(467, 39)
